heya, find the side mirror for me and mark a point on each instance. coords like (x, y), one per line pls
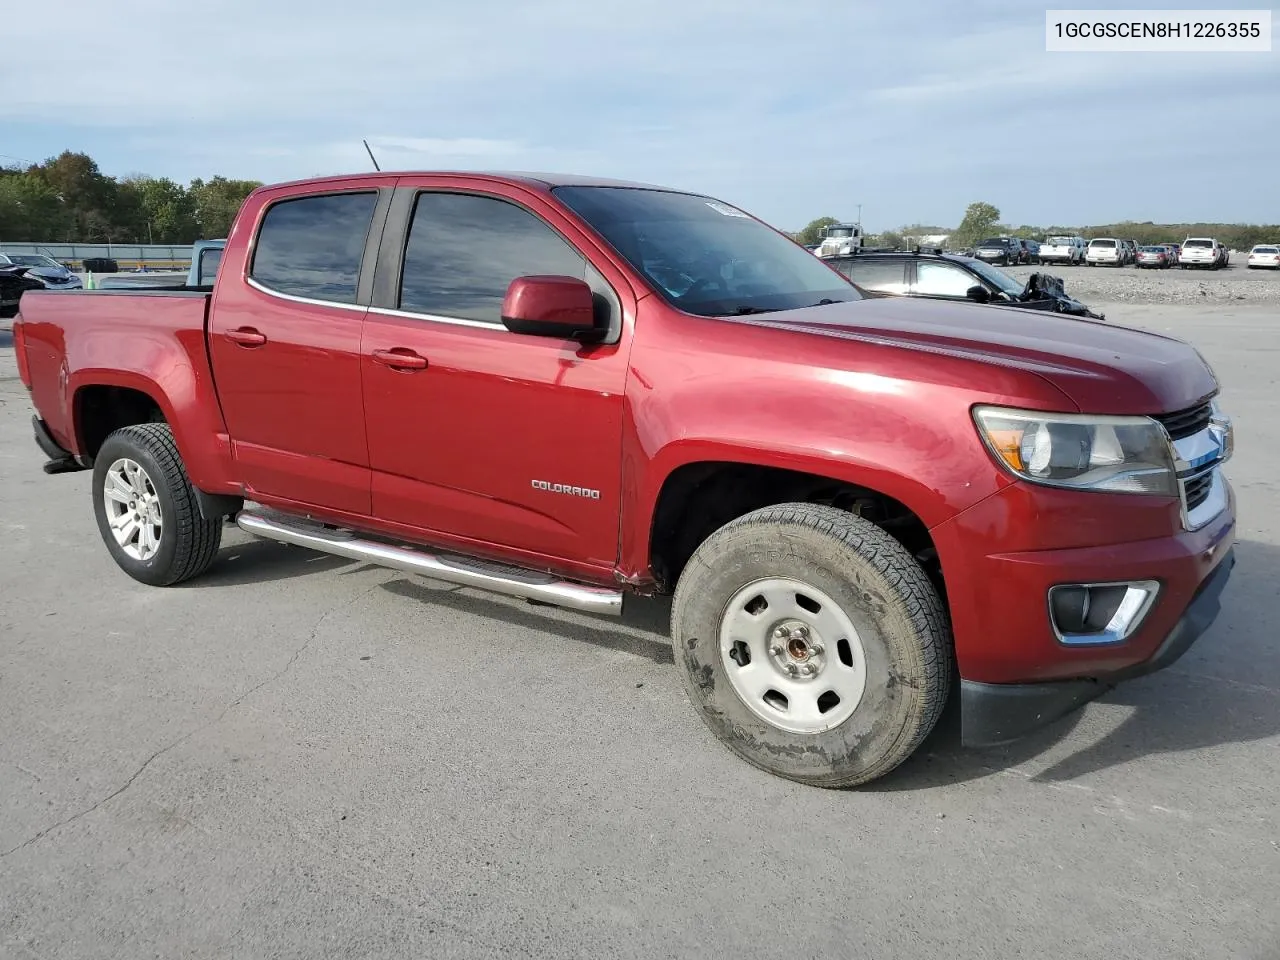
(546, 306)
(978, 293)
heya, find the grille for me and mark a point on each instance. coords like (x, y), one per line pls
(1197, 490)
(1186, 423)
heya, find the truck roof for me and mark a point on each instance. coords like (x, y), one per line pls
(538, 180)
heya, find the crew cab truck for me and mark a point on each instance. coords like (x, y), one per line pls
(571, 390)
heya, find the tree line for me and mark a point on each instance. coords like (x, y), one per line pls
(67, 199)
(982, 220)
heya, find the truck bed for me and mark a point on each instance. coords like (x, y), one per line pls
(108, 337)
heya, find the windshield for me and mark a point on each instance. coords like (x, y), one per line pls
(839, 231)
(1102, 243)
(1059, 241)
(703, 256)
(1153, 249)
(1266, 250)
(993, 242)
(997, 278)
(33, 260)
(1198, 243)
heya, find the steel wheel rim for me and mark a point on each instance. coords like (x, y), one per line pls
(133, 509)
(792, 655)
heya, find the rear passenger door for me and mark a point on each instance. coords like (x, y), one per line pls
(284, 341)
(509, 441)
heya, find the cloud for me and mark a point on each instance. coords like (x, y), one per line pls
(790, 111)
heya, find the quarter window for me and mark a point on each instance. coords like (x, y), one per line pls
(942, 280)
(464, 251)
(311, 247)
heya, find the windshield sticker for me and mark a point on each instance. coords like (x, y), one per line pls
(724, 208)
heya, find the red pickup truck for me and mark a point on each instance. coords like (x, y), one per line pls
(568, 390)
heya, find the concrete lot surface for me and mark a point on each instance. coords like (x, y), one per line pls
(298, 756)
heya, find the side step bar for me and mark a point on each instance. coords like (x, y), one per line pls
(494, 577)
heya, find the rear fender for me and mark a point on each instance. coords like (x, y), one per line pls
(191, 413)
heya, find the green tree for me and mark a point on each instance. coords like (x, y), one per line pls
(86, 195)
(812, 233)
(30, 210)
(157, 210)
(980, 221)
(217, 202)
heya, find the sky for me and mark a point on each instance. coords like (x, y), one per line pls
(791, 110)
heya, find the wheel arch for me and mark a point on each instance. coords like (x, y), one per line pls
(699, 494)
(104, 400)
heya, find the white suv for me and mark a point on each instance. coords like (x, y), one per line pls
(1202, 252)
(1068, 250)
(1105, 250)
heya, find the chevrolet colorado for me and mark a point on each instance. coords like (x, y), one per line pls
(567, 390)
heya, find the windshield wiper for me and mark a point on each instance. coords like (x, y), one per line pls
(743, 311)
(825, 300)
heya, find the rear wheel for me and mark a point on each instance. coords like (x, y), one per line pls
(812, 644)
(146, 507)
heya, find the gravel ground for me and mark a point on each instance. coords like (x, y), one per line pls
(300, 756)
(1093, 285)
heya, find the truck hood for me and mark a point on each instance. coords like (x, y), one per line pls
(1101, 367)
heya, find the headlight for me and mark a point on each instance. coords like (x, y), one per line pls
(1081, 451)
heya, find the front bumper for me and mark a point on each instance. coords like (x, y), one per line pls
(996, 713)
(1001, 557)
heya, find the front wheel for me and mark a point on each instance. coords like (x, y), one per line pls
(812, 644)
(146, 507)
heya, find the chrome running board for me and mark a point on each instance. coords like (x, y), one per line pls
(464, 571)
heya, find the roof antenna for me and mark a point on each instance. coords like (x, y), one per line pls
(371, 156)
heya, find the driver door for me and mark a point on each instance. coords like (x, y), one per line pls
(476, 433)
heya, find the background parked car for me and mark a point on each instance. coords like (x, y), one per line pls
(1068, 250)
(1154, 257)
(1130, 250)
(13, 284)
(948, 276)
(1175, 249)
(1105, 250)
(1202, 252)
(1265, 255)
(1033, 250)
(1005, 250)
(51, 274)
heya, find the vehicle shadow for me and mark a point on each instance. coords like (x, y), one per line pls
(1224, 690)
(643, 617)
(6, 339)
(260, 561)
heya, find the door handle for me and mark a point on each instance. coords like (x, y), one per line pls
(246, 337)
(400, 358)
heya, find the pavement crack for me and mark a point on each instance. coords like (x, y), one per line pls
(311, 636)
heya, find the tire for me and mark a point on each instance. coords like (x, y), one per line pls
(187, 543)
(863, 584)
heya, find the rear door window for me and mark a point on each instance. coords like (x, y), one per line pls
(311, 247)
(884, 276)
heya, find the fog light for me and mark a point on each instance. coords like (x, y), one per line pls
(1099, 613)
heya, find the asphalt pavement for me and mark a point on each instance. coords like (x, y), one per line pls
(300, 756)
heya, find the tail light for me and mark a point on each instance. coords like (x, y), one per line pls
(20, 351)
